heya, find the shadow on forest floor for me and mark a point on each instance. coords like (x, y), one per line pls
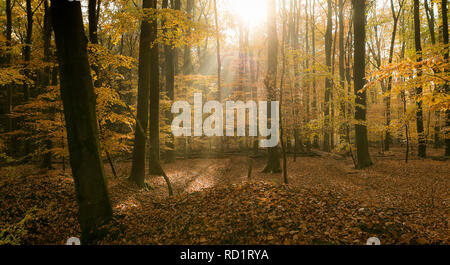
(327, 201)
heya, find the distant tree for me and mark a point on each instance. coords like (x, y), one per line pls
(419, 89)
(154, 154)
(169, 70)
(328, 79)
(273, 162)
(77, 93)
(447, 70)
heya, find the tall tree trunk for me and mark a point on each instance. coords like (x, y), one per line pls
(219, 65)
(446, 86)
(395, 16)
(77, 93)
(188, 68)
(9, 95)
(343, 106)
(273, 163)
(138, 165)
(154, 155)
(169, 69)
(27, 47)
(47, 161)
(431, 26)
(307, 82)
(359, 68)
(419, 89)
(283, 71)
(314, 86)
(219, 62)
(93, 20)
(295, 46)
(328, 79)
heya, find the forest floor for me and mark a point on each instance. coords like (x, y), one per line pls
(327, 201)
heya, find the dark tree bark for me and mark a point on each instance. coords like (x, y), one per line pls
(27, 47)
(154, 155)
(273, 163)
(314, 85)
(138, 165)
(93, 12)
(359, 68)
(446, 56)
(328, 80)
(431, 26)
(419, 89)
(188, 68)
(294, 31)
(342, 69)
(47, 161)
(219, 62)
(169, 70)
(307, 81)
(9, 88)
(283, 70)
(77, 93)
(177, 6)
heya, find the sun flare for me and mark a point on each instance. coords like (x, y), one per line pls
(253, 12)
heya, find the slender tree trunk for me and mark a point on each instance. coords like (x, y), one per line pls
(328, 80)
(27, 47)
(219, 62)
(283, 71)
(307, 82)
(419, 89)
(359, 24)
(77, 93)
(395, 16)
(47, 161)
(188, 68)
(295, 47)
(342, 70)
(431, 26)
(273, 163)
(154, 155)
(93, 20)
(169, 67)
(9, 95)
(138, 165)
(446, 86)
(314, 86)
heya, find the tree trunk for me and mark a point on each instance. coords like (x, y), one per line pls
(188, 68)
(9, 95)
(138, 165)
(169, 69)
(328, 80)
(283, 71)
(47, 161)
(314, 87)
(359, 68)
(77, 93)
(154, 155)
(419, 89)
(446, 86)
(273, 163)
(93, 20)
(342, 70)
(27, 47)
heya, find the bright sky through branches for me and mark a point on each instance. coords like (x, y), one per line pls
(253, 12)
